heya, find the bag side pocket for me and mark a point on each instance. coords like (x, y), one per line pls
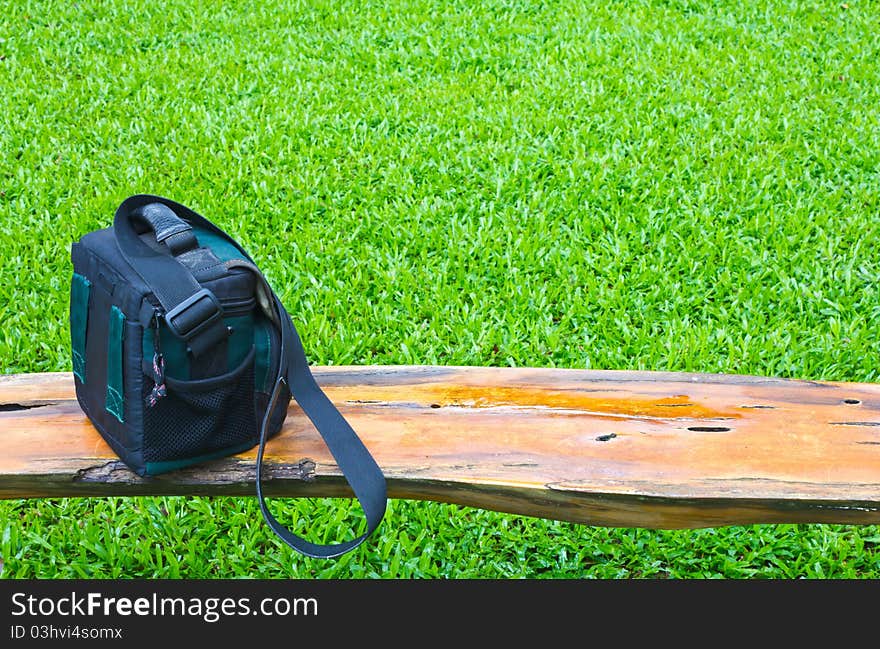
(201, 419)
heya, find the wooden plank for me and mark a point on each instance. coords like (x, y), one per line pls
(611, 448)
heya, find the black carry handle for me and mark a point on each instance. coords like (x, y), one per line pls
(191, 312)
(169, 228)
(179, 292)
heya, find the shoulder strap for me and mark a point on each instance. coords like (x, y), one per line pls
(173, 283)
(354, 460)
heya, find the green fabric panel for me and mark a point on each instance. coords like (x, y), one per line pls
(115, 404)
(173, 349)
(155, 468)
(241, 340)
(221, 247)
(79, 319)
(262, 354)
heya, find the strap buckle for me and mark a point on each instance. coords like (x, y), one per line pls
(194, 315)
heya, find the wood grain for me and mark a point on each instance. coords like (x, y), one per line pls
(611, 448)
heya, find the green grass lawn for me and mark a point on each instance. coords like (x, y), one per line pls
(686, 186)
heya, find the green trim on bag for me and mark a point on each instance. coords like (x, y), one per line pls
(155, 468)
(218, 245)
(177, 364)
(79, 320)
(115, 403)
(173, 351)
(240, 341)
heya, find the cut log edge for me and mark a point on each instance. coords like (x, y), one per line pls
(552, 502)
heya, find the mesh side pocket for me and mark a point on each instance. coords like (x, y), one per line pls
(201, 418)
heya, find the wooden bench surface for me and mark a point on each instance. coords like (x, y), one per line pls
(611, 448)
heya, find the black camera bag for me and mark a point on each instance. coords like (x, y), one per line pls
(182, 353)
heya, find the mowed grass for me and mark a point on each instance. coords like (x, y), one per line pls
(686, 186)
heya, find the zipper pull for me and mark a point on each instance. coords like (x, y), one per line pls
(158, 390)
